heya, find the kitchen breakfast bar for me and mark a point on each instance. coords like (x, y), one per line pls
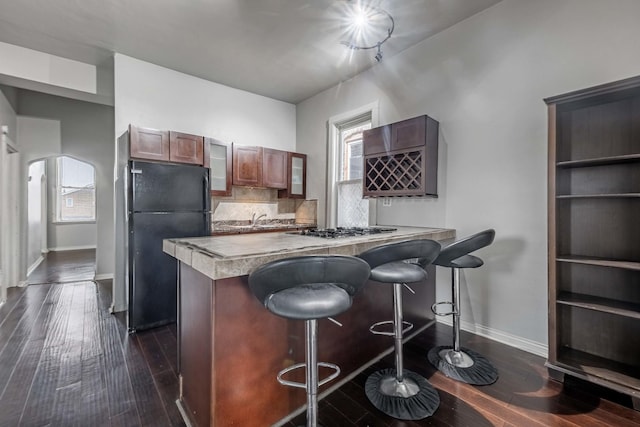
(231, 348)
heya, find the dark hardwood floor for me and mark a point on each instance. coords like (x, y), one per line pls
(65, 361)
(65, 266)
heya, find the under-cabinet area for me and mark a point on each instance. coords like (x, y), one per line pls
(594, 255)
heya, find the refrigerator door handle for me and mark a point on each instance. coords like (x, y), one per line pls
(136, 171)
(207, 192)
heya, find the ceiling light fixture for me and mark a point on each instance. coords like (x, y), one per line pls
(368, 28)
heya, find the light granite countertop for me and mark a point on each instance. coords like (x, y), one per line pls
(220, 257)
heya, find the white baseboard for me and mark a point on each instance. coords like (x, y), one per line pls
(106, 276)
(71, 248)
(35, 265)
(525, 344)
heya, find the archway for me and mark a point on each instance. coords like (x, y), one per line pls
(69, 241)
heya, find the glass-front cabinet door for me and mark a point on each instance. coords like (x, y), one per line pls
(297, 173)
(218, 160)
(297, 176)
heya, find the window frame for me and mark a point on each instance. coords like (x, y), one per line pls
(345, 161)
(60, 199)
(334, 125)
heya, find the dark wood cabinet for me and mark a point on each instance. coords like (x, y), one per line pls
(401, 159)
(274, 168)
(247, 165)
(259, 167)
(195, 343)
(186, 148)
(377, 140)
(218, 158)
(150, 144)
(594, 255)
(165, 146)
(296, 177)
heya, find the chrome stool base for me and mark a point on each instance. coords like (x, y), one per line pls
(413, 398)
(465, 365)
(390, 386)
(459, 359)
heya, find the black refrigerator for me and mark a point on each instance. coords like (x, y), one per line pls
(163, 201)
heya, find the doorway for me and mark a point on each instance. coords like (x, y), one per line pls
(61, 214)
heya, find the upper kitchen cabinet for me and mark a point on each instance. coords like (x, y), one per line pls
(159, 145)
(150, 144)
(217, 157)
(401, 159)
(186, 148)
(594, 256)
(296, 177)
(274, 168)
(247, 165)
(259, 167)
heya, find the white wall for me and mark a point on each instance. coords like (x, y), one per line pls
(69, 237)
(37, 139)
(42, 67)
(7, 111)
(484, 80)
(151, 96)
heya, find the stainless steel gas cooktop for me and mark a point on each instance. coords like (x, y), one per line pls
(332, 233)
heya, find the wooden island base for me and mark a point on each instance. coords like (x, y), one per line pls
(231, 347)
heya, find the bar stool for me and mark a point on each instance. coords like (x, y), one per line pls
(462, 364)
(309, 288)
(400, 392)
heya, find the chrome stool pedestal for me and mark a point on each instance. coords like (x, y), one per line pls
(454, 361)
(398, 392)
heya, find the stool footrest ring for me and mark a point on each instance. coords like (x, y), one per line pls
(373, 328)
(434, 308)
(333, 376)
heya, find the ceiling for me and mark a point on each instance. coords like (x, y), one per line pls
(284, 49)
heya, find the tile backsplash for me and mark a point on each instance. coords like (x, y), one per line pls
(247, 203)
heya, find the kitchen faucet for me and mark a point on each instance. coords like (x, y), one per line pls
(254, 220)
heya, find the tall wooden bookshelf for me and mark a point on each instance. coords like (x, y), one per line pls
(594, 235)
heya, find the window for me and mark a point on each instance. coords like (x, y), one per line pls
(345, 204)
(352, 152)
(75, 191)
(352, 209)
